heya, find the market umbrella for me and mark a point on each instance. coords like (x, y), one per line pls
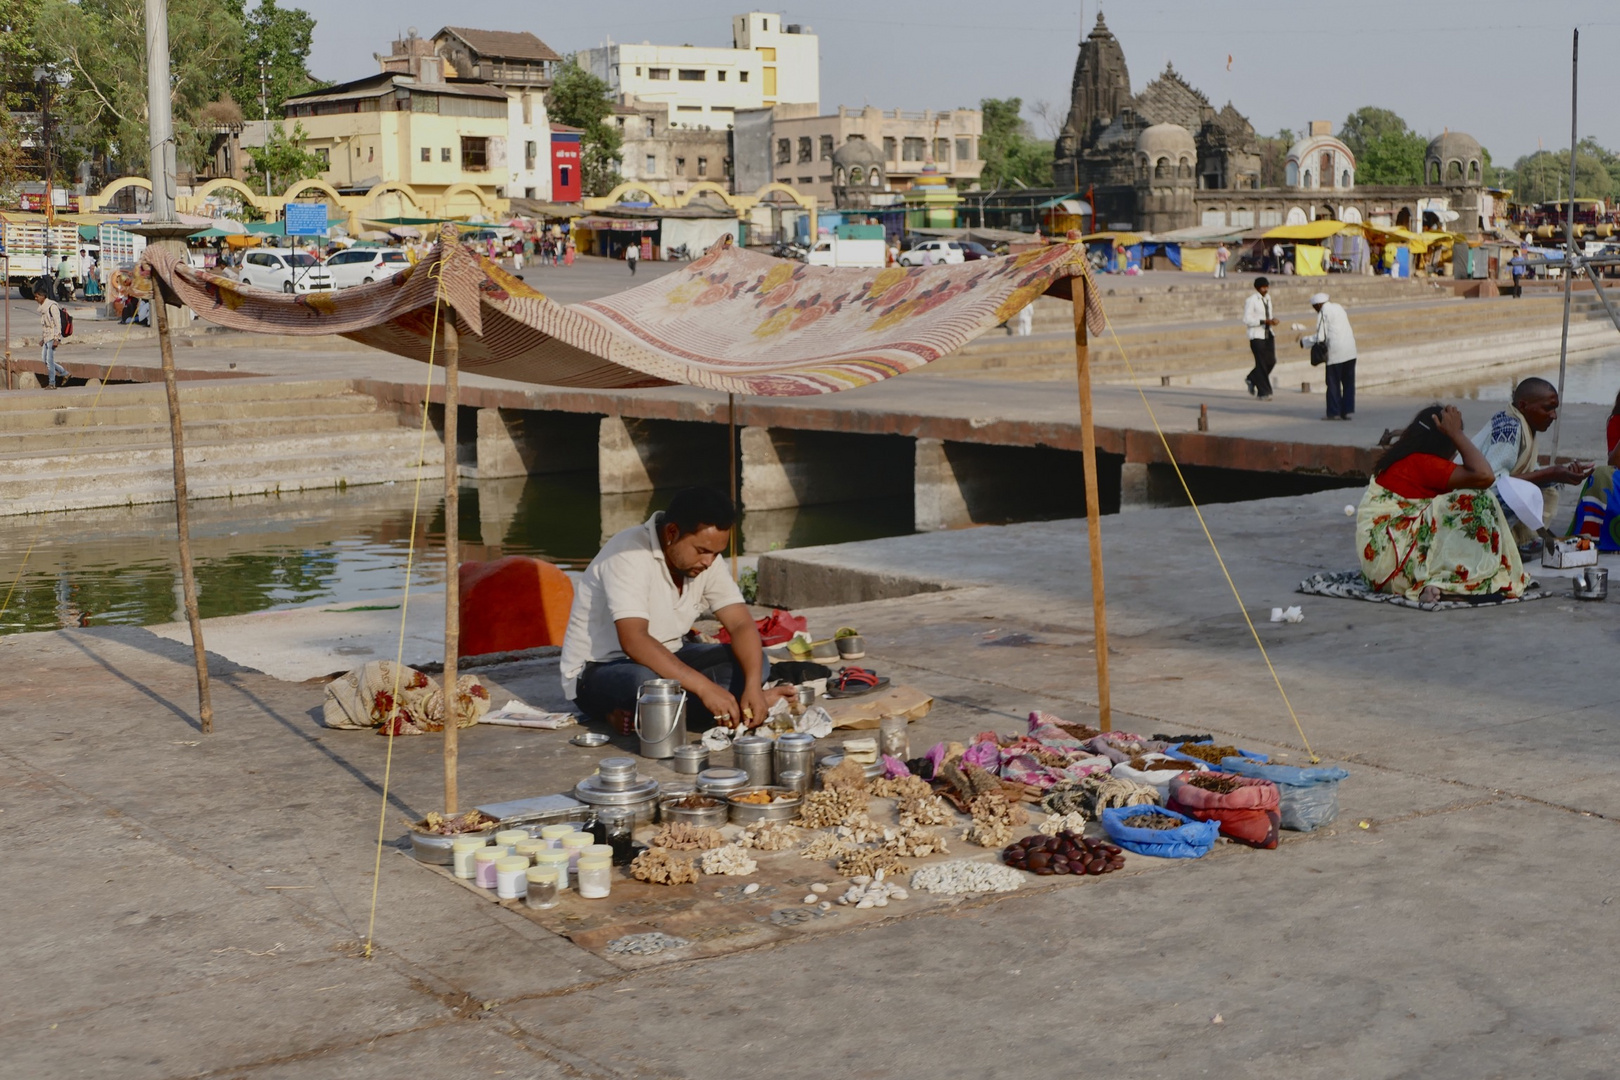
(521, 224)
(406, 232)
(376, 234)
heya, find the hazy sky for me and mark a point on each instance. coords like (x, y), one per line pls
(1497, 69)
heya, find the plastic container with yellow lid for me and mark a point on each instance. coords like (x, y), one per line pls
(595, 876)
(484, 866)
(511, 837)
(529, 848)
(558, 859)
(511, 877)
(461, 854)
(553, 834)
(542, 887)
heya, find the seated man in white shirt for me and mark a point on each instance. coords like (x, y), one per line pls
(637, 601)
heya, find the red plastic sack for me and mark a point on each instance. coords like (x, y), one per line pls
(774, 628)
(513, 603)
(1248, 815)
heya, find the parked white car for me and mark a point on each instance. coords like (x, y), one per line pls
(362, 266)
(943, 251)
(289, 271)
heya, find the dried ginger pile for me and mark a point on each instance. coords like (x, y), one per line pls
(659, 867)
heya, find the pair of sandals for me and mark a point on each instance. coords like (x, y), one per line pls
(855, 682)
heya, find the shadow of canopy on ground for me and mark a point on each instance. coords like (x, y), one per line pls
(732, 320)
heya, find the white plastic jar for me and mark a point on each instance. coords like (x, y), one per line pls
(511, 877)
(553, 834)
(511, 837)
(484, 866)
(461, 855)
(556, 858)
(595, 876)
(574, 844)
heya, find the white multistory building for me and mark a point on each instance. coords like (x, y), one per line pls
(769, 62)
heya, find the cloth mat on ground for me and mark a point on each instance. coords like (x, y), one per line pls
(1350, 585)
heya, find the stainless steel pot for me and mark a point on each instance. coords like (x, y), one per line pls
(1592, 583)
(752, 754)
(783, 809)
(710, 816)
(691, 759)
(660, 717)
(616, 773)
(721, 781)
(794, 751)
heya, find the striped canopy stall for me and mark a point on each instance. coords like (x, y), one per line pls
(732, 320)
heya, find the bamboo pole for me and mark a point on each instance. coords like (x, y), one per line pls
(452, 561)
(182, 512)
(736, 523)
(1088, 453)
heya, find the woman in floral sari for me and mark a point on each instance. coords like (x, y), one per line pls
(1428, 528)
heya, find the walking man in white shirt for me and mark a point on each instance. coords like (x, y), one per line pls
(50, 336)
(1333, 329)
(1259, 318)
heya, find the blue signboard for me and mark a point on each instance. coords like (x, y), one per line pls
(305, 219)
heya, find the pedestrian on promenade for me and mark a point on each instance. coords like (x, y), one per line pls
(1026, 320)
(1221, 255)
(517, 255)
(1333, 330)
(1518, 267)
(50, 334)
(1259, 318)
(632, 255)
(1277, 259)
(568, 252)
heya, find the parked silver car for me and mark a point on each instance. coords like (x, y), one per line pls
(289, 271)
(362, 266)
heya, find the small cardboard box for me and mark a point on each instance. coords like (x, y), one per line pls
(1566, 554)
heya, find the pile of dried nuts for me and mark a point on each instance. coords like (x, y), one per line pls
(1151, 820)
(661, 868)
(729, 859)
(1207, 752)
(1219, 783)
(1065, 853)
(680, 836)
(771, 836)
(964, 876)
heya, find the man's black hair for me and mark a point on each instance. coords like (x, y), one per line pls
(1261, 283)
(41, 290)
(1532, 388)
(695, 507)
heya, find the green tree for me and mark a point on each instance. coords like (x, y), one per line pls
(1544, 175)
(280, 38)
(1274, 157)
(1012, 156)
(100, 45)
(579, 99)
(284, 158)
(19, 57)
(1385, 149)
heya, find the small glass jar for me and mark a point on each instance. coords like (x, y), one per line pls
(553, 834)
(461, 855)
(484, 860)
(511, 837)
(894, 741)
(528, 849)
(618, 823)
(574, 843)
(595, 877)
(556, 859)
(542, 882)
(510, 879)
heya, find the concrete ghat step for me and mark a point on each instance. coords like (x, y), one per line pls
(193, 392)
(43, 467)
(64, 440)
(47, 415)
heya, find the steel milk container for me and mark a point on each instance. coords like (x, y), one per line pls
(661, 717)
(752, 754)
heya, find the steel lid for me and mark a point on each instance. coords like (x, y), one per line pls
(591, 790)
(710, 781)
(752, 745)
(796, 740)
(616, 773)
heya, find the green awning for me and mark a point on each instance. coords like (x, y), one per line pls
(1050, 203)
(390, 222)
(89, 232)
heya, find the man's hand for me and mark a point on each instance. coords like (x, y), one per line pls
(1569, 474)
(718, 700)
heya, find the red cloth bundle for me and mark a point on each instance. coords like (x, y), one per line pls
(1247, 814)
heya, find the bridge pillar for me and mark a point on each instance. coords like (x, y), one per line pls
(644, 455)
(784, 468)
(518, 442)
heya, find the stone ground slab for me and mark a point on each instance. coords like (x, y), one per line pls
(1464, 933)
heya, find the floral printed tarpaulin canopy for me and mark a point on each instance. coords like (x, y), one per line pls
(731, 320)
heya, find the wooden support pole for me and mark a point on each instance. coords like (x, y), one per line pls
(452, 560)
(1088, 453)
(736, 525)
(182, 515)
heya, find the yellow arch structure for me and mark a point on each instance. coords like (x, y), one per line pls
(302, 186)
(474, 190)
(97, 202)
(617, 195)
(200, 196)
(710, 186)
(395, 185)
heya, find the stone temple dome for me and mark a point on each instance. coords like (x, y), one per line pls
(857, 152)
(1171, 140)
(1454, 158)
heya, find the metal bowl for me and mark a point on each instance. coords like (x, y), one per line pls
(783, 809)
(711, 816)
(435, 847)
(590, 738)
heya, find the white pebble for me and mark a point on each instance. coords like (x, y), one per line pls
(897, 893)
(812, 898)
(865, 904)
(825, 905)
(1349, 511)
(751, 888)
(818, 887)
(861, 879)
(881, 901)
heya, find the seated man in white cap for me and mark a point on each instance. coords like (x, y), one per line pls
(1333, 330)
(1508, 442)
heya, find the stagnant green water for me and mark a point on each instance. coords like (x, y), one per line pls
(118, 565)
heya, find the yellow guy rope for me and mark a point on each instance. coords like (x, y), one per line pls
(404, 606)
(40, 531)
(1120, 345)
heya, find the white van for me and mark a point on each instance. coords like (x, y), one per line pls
(831, 251)
(289, 271)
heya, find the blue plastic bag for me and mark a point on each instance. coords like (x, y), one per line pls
(1307, 796)
(1174, 751)
(1189, 841)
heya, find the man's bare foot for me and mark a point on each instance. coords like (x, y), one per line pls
(1429, 595)
(623, 721)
